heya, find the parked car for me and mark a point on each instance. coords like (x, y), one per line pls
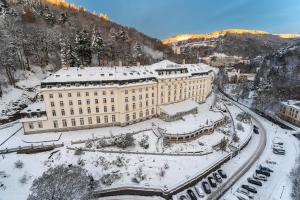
(222, 173)
(278, 152)
(199, 191)
(254, 182)
(260, 177)
(206, 187)
(217, 177)
(276, 146)
(241, 196)
(191, 194)
(271, 162)
(258, 171)
(249, 188)
(255, 131)
(245, 192)
(212, 181)
(261, 167)
(279, 143)
(255, 127)
(183, 197)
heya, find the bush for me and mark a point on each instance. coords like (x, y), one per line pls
(63, 182)
(144, 142)
(24, 179)
(139, 175)
(108, 179)
(240, 127)
(243, 117)
(124, 140)
(235, 138)
(19, 164)
(78, 152)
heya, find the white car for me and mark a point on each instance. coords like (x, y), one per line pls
(174, 197)
(260, 177)
(241, 196)
(199, 191)
(245, 192)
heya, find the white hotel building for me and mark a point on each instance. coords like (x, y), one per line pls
(90, 97)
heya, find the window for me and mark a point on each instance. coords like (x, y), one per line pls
(98, 120)
(63, 113)
(147, 95)
(134, 115)
(126, 107)
(105, 108)
(113, 118)
(52, 104)
(40, 124)
(104, 92)
(61, 103)
(79, 102)
(133, 98)
(72, 111)
(106, 119)
(90, 120)
(87, 94)
(111, 92)
(147, 103)
(60, 95)
(55, 124)
(53, 113)
(81, 121)
(88, 102)
(152, 94)
(147, 112)
(127, 117)
(141, 104)
(141, 113)
(51, 96)
(89, 110)
(126, 99)
(31, 125)
(78, 94)
(112, 100)
(96, 101)
(69, 94)
(73, 122)
(70, 102)
(64, 122)
(141, 97)
(152, 111)
(104, 100)
(97, 109)
(113, 108)
(126, 91)
(95, 93)
(80, 111)
(133, 106)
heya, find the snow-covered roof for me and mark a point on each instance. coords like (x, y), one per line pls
(292, 103)
(183, 106)
(35, 107)
(119, 73)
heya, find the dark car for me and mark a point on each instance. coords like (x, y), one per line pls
(217, 177)
(255, 131)
(255, 127)
(263, 172)
(265, 168)
(183, 197)
(212, 181)
(222, 173)
(249, 188)
(254, 182)
(192, 194)
(206, 187)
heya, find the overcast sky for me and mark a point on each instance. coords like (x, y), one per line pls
(164, 18)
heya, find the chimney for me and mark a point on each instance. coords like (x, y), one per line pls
(183, 61)
(138, 64)
(120, 63)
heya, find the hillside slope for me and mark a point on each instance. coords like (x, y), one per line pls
(37, 37)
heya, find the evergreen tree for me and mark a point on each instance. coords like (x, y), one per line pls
(97, 45)
(83, 48)
(3, 7)
(137, 50)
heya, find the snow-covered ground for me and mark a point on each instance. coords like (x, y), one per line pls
(279, 184)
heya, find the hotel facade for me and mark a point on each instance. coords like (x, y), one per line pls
(90, 97)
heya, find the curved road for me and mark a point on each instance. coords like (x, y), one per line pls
(245, 167)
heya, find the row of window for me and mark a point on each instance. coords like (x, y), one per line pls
(80, 110)
(79, 94)
(79, 102)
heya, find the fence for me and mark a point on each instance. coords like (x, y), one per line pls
(31, 148)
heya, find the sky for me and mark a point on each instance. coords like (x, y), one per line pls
(164, 18)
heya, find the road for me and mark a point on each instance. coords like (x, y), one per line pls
(246, 166)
